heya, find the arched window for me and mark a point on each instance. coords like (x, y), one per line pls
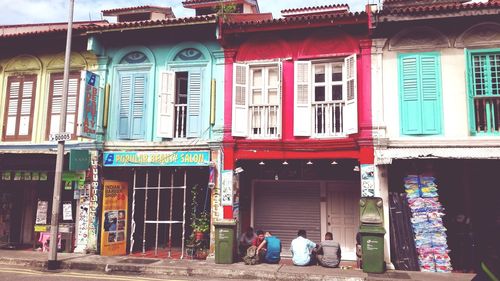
(134, 57)
(189, 54)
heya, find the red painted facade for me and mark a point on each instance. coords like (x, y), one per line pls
(290, 42)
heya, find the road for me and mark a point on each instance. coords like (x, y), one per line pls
(16, 273)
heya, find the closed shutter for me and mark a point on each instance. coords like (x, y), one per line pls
(194, 104)
(124, 106)
(138, 106)
(55, 103)
(19, 107)
(240, 100)
(285, 207)
(411, 116)
(431, 97)
(166, 106)
(420, 94)
(302, 121)
(350, 120)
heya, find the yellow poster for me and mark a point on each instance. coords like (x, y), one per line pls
(114, 218)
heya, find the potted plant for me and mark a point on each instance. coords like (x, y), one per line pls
(200, 225)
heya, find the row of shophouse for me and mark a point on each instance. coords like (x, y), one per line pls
(281, 124)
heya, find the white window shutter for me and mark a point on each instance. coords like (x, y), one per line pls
(166, 110)
(240, 100)
(350, 124)
(302, 122)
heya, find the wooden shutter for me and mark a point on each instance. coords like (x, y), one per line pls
(124, 105)
(240, 100)
(431, 94)
(55, 103)
(350, 118)
(19, 108)
(194, 104)
(302, 122)
(166, 110)
(420, 94)
(138, 106)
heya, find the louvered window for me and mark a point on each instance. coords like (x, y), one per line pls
(484, 92)
(19, 106)
(55, 103)
(420, 94)
(132, 105)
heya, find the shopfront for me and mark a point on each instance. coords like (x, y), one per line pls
(159, 210)
(319, 196)
(26, 188)
(464, 216)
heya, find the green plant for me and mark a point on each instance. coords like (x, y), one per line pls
(201, 223)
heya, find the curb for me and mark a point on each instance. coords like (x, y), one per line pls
(180, 271)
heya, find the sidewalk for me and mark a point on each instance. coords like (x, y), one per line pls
(196, 268)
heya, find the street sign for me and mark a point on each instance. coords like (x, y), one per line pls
(60, 137)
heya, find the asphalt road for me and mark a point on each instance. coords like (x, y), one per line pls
(16, 273)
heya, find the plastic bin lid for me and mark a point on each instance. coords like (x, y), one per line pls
(224, 223)
(373, 229)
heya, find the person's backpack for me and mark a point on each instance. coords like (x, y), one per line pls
(251, 257)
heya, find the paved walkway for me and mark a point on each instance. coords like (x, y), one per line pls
(197, 268)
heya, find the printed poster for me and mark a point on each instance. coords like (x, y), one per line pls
(67, 211)
(41, 212)
(114, 218)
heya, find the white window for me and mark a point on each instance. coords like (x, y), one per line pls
(325, 98)
(257, 101)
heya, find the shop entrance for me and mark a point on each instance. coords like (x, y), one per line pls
(342, 210)
(159, 210)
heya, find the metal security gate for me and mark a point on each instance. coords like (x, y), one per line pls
(157, 205)
(284, 207)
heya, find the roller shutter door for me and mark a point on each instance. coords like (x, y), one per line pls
(285, 207)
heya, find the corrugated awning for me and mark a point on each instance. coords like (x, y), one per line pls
(385, 156)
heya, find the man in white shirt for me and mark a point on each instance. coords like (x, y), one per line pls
(303, 250)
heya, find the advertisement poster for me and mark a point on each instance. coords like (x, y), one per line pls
(367, 180)
(41, 212)
(114, 218)
(67, 211)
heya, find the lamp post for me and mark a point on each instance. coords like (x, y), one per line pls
(56, 199)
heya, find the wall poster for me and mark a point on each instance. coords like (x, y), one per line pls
(114, 218)
(41, 212)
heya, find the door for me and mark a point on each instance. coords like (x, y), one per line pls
(343, 215)
(284, 207)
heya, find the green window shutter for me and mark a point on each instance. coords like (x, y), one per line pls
(410, 99)
(138, 106)
(124, 106)
(431, 96)
(420, 94)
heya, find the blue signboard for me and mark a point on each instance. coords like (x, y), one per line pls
(156, 158)
(89, 98)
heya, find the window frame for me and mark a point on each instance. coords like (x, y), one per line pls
(471, 87)
(53, 76)
(21, 78)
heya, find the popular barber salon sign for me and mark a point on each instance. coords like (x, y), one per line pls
(156, 158)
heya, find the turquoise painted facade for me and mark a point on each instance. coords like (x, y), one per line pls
(144, 76)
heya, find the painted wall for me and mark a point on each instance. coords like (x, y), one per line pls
(161, 58)
(42, 66)
(289, 47)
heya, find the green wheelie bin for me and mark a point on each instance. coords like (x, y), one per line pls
(225, 242)
(372, 243)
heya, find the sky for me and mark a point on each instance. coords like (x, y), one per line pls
(47, 11)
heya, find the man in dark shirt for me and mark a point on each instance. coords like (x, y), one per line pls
(329, 252)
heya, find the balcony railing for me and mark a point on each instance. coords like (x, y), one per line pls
(180, 120)
(328, 118)
(487, 113)
(264, 121)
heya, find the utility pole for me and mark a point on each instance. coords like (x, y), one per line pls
(56, 199)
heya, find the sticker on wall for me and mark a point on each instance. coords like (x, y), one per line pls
(35, 176)
(367, 180)
(43, 176)
(6, 176)
(227, 188)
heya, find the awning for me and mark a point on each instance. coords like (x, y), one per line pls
(385, 156)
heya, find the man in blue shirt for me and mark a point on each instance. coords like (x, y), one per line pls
(273, 248)
(303, 250)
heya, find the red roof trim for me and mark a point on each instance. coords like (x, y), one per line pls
(136, 8)
(437, 9)
(9, 31)
(159, 23)
(297, 19)
(294, 10)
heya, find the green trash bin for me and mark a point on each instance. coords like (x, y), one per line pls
(224, 242)
(372, 243)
